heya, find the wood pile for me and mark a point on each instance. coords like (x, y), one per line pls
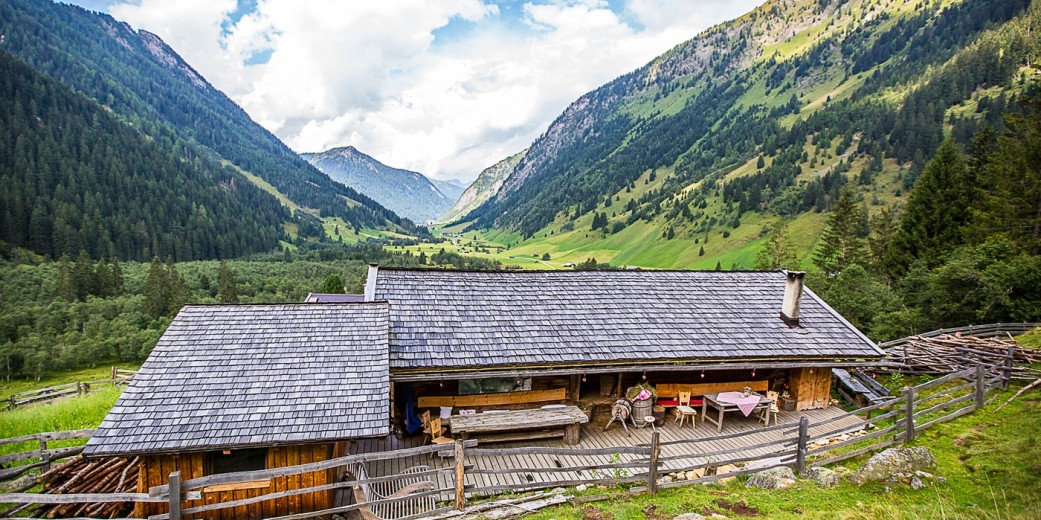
(948, 353)
(79, 475)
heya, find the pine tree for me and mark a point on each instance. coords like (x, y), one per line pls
(422, 258)
(937, 211)
(228, 292)
(719, 266)
(156, 291)
(777, 252)
(842, 243)
(883, 227)
(83, 276)
(333, 284)
(102, 279)
(64, 288)
(117, 278)
(179, 292)
(701, 252)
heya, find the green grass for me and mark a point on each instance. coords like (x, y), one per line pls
(992, 462)
(72, 413)
(84, 374)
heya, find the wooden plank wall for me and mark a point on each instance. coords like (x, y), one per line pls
(811, 387)
(155, 471)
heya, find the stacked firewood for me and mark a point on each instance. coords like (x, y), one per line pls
(947, 353)
(79, 475)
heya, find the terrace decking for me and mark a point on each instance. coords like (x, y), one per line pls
(525, 469)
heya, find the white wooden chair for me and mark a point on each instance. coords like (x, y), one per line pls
(437, 434)
(684, 410)
(407, 484)
(772, 411)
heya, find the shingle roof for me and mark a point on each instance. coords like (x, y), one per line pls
(461, 319)
(255, 375)
(334, 298)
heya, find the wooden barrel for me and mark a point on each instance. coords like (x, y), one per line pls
(642, 409)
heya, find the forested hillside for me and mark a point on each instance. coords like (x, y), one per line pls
(75, 178)
(146, 85)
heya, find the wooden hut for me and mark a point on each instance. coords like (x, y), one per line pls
(233, 388)
(474, 339)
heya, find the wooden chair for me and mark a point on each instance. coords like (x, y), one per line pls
(437, 434)
(684, 410)
(773, 410)
(425, 417)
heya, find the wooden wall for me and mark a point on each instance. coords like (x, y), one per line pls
(810, 387)
(155, 471)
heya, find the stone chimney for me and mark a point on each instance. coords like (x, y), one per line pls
(370, 282)
(792, 297)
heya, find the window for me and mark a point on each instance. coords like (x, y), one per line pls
(494, 385)
(238, 460)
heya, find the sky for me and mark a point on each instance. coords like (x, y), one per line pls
(442, 87)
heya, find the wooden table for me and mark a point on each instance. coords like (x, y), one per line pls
(516, 425)
(711, 400)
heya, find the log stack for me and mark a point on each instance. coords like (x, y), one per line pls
(79, 475)
(948, 353)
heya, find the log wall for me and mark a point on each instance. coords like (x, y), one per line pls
(155, 471)
(810, 387)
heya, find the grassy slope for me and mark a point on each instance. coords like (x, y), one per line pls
(86, 374)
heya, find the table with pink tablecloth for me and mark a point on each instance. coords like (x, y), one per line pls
(733, 401)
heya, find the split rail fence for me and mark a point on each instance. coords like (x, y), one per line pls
(119, 377)
(802, 445)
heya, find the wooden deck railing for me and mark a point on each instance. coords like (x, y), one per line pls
(119, 377)
(801, 446)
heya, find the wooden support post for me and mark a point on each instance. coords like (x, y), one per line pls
(1008, 367)
(909, 414)
(804, 437)
(574, 388)
(175, 494)
(115, 373)
(618, 392)
(46, 459)
(460, 483)
(981, 385)
(652, 473)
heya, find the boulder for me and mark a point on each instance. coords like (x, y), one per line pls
(822, 476)
(892, 462)
(916, 483)
(773, 478)
(690, 516)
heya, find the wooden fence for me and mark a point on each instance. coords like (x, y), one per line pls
(802, 445)
(989, 330)
(119, 377)
(41, 456)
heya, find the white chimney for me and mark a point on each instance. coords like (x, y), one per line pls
(370, 282)
(792, 297)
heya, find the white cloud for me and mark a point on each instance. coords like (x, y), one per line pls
(369, 74)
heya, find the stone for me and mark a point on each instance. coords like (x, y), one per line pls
(691, 475)
(822, 476)
(916, 483)
(773, 478)
(941, 480)
(690, 516)
(665, 480)
(924, 474)
(581, 487)
(557, 491)
(891, 462)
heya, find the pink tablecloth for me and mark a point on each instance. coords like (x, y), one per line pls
(745, 404)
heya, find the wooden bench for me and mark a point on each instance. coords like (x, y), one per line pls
(497, 399)
(668, 393)
(516, 425)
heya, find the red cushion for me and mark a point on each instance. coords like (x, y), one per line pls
(668, 402)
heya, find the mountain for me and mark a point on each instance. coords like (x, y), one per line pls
(405, 192)
(483, 188)
(145, 84)
(74, 177)
(765, 118)
(452, 188)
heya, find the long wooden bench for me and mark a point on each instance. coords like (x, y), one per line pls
(521, 424)
(668, 393)
(497, 399)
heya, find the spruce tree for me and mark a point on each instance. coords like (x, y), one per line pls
(117, 278)
(64, 288)
(179, 292)
(937, 211)
(228, 292)
(842, 243)
(156, 291)
(777, 252)
(83, 276)
(333, 284)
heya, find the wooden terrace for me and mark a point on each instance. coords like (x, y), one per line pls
(499, 472)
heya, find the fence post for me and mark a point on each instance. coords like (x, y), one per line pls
(804, 438)
(175, 495)
(46, 459)
(114, 374)
(13, 404)
(1008, 367)
(652, 474)
(981, 385)
(460, 484)
(909, 426)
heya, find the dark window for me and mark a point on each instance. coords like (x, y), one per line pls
(238, 460)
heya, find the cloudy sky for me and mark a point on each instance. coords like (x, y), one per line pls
(443, 87)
